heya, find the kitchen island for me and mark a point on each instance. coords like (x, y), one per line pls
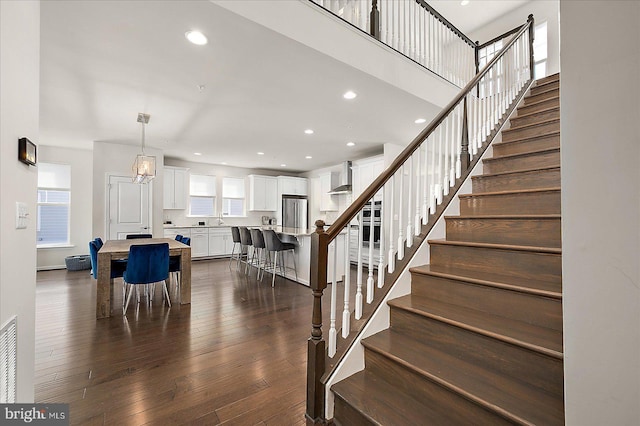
(302, 253)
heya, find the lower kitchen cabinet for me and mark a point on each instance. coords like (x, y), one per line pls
(205, 241)
(220, 242)
(199, 242)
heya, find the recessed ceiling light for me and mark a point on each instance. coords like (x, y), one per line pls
(224, 163)
(260, 153)
(197, 153)
(351, 144)
(350, 95)
(309, 132)
(283, 165)
(464, 2)
(420, 121)
(308, 157)
(196, 37)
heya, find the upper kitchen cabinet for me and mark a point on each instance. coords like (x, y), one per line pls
(175, 187)
(364, 172)
(292, 185)
(263, 193)
(328, 202)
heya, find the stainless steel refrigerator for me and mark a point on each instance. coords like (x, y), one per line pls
(294, 211)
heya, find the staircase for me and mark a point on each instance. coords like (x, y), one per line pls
(479, 339)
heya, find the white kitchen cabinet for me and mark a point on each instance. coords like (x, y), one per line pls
(199, 242)
(172, 232)
(364, 173)
(328, 202)
(175, 187)
(220, 242)
(263, 193)
(292, 185)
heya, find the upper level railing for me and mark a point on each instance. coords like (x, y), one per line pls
(416, 30)
(413, 191)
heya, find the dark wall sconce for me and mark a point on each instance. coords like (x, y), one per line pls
(27, 151)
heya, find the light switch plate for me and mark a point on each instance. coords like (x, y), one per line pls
(22, 214)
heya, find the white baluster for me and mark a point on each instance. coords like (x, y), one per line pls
(455, 142)
(400, 215)
(383, 231)
(439, 152)
(417, 224)
(409, 240)
(334, 301)
(346, 313)
(359, 277)
(370, 280)
(445, 172)
(458, 140)
(425, 185)
(391, 204)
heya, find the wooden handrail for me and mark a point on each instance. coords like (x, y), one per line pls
(448, 24)
(344, 219)
(500, 37)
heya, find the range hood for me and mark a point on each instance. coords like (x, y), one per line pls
(345, 188)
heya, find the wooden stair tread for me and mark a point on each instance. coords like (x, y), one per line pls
(492, 279)
(537, 169)
(509, 216)
(553, 98)
(541, 111)
(543, 89)
(550, 250)
(527, 139)
(522, 154)
(548, 79)
(520, 191)
(535, 124)
(522, 403)
(383, 404)
(538, 339)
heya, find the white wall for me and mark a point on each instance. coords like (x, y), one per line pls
(81, 163)
(114, 158)
(315, 195)
(19, 117)
(542, 10)
(600, 146)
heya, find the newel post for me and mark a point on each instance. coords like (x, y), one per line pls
(531, 37)
(316, 346)
(374, 19)
(464, 152)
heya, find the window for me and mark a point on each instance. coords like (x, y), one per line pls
(202, 195)
(540, 50)
(53, 207)
(232, 197)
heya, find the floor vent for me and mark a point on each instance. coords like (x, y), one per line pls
(8, 360)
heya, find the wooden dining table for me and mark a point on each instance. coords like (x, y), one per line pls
(119, 249)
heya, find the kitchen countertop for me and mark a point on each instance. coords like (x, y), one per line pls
(170, 226)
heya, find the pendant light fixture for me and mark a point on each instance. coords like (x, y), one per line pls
(144, 167)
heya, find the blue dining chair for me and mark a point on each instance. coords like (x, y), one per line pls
(174, 262)
(186, 240)
(99, 242)
(147, 264)
(117, 266)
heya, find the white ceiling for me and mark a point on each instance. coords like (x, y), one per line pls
(102, 62)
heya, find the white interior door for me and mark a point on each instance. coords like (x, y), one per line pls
(128, 207)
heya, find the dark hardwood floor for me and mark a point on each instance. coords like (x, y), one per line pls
(236, 355)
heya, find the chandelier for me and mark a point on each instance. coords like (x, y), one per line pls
(144, 166)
